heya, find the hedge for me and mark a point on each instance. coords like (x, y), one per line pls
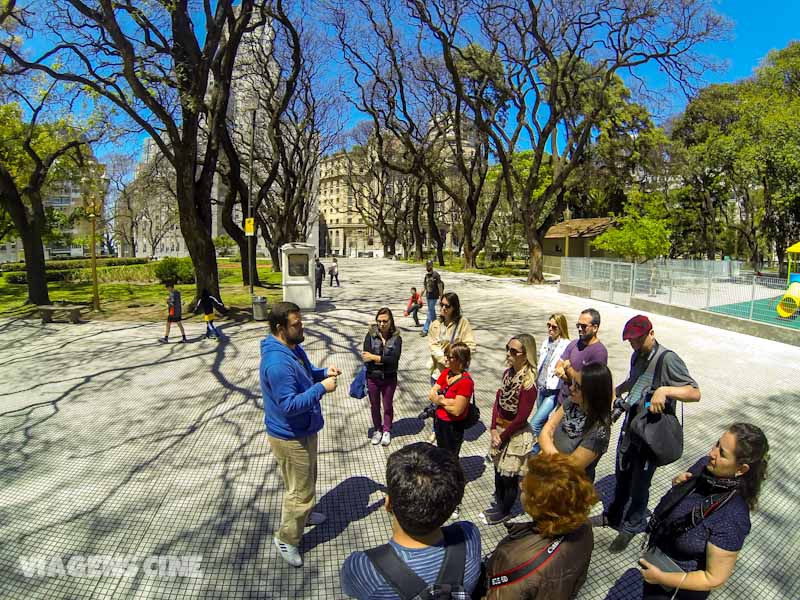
(122, 274)
(82, 263)
(176, 270)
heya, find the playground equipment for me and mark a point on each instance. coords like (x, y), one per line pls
(790, 302)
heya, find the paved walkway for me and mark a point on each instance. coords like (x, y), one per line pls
(114, 445)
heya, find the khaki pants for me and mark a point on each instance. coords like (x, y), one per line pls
(297, 460)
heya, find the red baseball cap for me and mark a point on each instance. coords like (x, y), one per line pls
(637, 327)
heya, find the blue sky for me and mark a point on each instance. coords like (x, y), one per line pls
(759, 26)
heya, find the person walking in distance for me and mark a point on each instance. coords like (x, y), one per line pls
(434, 289)
(292, 389)
(382, 348)
(319, 276)
(206, 305)
(414, 304)
(654, 370)
(174, 311)
(333, 271)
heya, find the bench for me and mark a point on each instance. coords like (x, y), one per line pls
(48, 310)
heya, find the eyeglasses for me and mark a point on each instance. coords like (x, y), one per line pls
(583, 326)
(552, 326)
(443, 305)
(513, 351)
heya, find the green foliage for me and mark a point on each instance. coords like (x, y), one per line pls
(178, 270)
(77, 263)
(22, 276)
(224, 244)
(638, 238)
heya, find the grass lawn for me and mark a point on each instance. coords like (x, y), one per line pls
(763, 311)
(455, 264)
(146, 301)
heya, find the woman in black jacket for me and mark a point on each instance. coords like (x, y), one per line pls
(382, 348)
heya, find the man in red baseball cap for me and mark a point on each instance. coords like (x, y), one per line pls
(660, 377)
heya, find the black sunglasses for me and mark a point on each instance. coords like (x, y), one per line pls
(444, 305)
(583, 326)
(513, 351)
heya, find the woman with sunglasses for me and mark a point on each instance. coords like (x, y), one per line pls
(581, 426)
(511, 435)
(451, 327)
(382, 348)
(548, 383)
(451, 395)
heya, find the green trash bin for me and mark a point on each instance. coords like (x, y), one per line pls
(259, 308)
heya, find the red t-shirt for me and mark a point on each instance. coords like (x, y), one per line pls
(461, 387)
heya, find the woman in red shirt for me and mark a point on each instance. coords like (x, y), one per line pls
(451, 394)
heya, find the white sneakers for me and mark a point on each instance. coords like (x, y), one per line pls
(289, 553)
(384, 439)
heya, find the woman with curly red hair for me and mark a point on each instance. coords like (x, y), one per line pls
(547, 558)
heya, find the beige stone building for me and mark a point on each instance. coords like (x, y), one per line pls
(342, 231)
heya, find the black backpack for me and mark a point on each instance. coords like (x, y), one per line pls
(410, 586)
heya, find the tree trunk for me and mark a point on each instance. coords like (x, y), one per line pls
(34, 264)
(275, 255)
(433, 228)
(195, 212)
(416, 230)
(535, 274)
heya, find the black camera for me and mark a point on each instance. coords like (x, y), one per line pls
(619, 409)
(427, 413)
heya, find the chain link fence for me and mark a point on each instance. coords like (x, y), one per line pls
(716, 286)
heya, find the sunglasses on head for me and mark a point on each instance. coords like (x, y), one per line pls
(513, 351)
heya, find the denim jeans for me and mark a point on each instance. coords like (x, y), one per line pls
(412, 312)
(634, 473)
(544, 406)
(431, 314)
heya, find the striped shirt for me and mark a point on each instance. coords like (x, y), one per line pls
(361, 580)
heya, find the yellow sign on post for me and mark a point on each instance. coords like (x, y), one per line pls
(249, 227)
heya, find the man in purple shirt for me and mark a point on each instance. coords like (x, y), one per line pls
(587, 349)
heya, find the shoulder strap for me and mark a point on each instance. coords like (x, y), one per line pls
(657, 369)
(396, 572)
(455, 556)
(528, 568)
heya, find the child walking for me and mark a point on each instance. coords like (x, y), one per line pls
(174, 314)
(207, 304)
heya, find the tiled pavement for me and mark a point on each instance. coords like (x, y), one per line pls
(114, 445)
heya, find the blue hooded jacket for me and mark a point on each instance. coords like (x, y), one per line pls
(291, 391)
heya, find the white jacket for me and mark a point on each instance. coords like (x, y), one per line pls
(552, 379)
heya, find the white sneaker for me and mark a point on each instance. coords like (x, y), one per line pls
(376, 438)
(315, 518)
(386, 438)
(289, 553)
(456, 514)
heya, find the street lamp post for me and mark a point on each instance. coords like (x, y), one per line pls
(90, 202)
(251, 238)
(95, 292)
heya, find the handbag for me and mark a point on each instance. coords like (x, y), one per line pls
(473, 414)
(662, 433)
(358, 389)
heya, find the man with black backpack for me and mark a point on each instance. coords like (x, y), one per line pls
(434, 288)
(422, 559)
(658, 378)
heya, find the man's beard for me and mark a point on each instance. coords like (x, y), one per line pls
(297, 339)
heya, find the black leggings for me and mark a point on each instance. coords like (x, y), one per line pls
(449, 434)
(505, 491)
(656, 592)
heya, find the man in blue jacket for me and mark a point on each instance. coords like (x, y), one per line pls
(292, 388)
